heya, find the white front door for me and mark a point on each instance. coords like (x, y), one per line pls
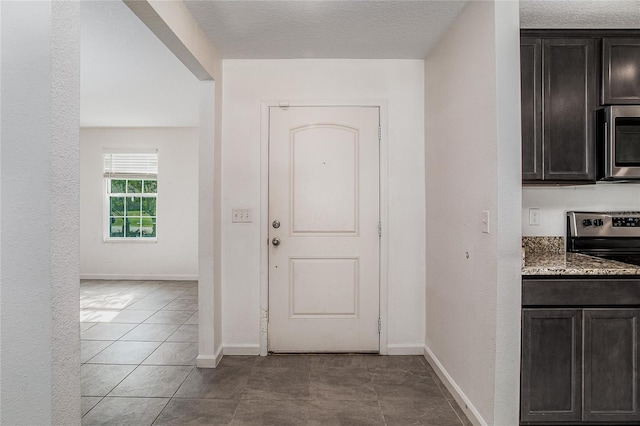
(323, 214)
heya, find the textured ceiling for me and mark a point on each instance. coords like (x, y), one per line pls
(129, 78)
(579, 14)
(266, 29)
(324, 29)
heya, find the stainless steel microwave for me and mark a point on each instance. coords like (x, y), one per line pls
(618, 142)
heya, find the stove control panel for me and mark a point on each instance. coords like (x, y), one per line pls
(592, 222)
(632, 222)
(603, 224)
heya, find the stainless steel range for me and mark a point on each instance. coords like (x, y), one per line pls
(610, 235)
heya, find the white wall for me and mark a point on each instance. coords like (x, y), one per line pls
(473, 165)
(174, 25)
(40, 335)
(210, 225)
(508, 299)
(554, 202)
(175, 254)
(246, 83)
(129, 77)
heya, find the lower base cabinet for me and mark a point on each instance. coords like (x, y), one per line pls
(580, 365)
(551, 378)
(610, 364)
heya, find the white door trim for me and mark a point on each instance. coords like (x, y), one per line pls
(264, 209)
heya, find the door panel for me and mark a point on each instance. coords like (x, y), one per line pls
(531, 107)
(324, 192)
(611, 365)
(621, 71)
(324, 288)
(334, 180)
(569, 102)
(550, 385)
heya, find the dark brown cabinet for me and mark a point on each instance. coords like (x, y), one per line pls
(531, 104)
(579, 365)
(551, 379)
(620, 71)
(559, 96)
(569, 96)
(580, 357)
(611, 365)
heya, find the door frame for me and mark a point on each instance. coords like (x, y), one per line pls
(381, 104)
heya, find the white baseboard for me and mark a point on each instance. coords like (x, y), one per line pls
(209, 361)
(241, 349)
(160, 277)
(465, 404)
(403, 349)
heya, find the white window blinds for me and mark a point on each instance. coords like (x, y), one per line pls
(131, 165)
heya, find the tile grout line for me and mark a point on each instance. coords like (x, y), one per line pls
(233, 417)
(455, 412)
(102, 398)
(111, 390)
(437, 380)
(174, 394)
(369, 370)
(384, 418)
(94, 406)
(237, 415)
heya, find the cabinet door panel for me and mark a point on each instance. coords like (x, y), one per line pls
(551, 369)
(531, 97)
(569, 103)
(621, 71)
(610, 365)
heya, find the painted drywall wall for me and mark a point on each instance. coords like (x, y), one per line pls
(65, 212)
(216, 214)
(209, 226)
(174, 25)
(506, 400)
(472, 165)
(554, 202)
(40, 346)
(129, 77)
(400, 83)
(175, 254)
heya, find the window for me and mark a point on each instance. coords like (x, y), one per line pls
(132, 193)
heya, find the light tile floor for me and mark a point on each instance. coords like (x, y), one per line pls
(138, 350)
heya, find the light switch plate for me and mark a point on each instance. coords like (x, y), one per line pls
(241, 216)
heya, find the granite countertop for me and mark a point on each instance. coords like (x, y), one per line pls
(574, 264)
(546, 256)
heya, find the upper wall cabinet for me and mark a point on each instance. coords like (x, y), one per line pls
(621, 71)
(570, 96)
(559, 95)
(531, 98)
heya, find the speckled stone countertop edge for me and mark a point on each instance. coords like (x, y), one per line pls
(547, 256)
(532, 272)
(574, 264)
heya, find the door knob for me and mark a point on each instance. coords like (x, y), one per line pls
(276, 224)
(276, 241)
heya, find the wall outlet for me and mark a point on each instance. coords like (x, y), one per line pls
(485, 221)
(241, 216)
(534, 216)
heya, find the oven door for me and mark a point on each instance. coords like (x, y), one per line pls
(631, 259)
(622, 142)
(626, 250)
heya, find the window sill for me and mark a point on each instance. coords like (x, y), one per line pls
(131, 240)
